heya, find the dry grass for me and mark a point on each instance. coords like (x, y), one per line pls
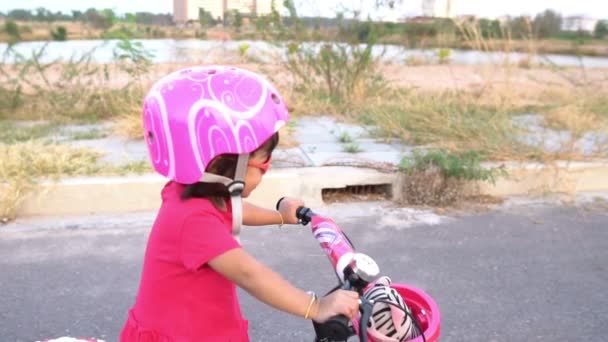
(482, 120)
(504, 87)
(447, 108)
(128, 126)
(448, 120)
(23, 164)
(74, 91)
(430, 187)
(580, 111)
(441, 178)
(574, 118)
(77, 105)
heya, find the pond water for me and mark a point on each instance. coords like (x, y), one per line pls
(194, 50)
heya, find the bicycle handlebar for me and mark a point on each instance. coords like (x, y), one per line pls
(302, 213)
(337, 328)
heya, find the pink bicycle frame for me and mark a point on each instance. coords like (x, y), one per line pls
(334, 243)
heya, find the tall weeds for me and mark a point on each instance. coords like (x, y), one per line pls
(76, 91)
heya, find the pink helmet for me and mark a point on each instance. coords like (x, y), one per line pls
(196, 114)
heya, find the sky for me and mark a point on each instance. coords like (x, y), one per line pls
(483, 8)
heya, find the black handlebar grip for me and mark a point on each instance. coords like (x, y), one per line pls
(337, 328)
(304, 215)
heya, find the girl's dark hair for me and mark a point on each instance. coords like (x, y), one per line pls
(224, 165)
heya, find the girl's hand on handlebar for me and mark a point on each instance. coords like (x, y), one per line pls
(287, 209)
(339, 302)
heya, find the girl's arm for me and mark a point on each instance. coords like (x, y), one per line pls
(258, 216)
(270, 288)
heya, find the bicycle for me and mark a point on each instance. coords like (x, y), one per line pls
(359, 272)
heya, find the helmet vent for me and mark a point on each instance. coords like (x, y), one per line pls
(275, 98)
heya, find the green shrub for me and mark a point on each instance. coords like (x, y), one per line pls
(59, 34)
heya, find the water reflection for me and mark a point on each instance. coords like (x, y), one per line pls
(208, 51)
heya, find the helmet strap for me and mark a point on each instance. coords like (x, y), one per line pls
(235, 189)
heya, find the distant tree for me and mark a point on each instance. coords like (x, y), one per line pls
(262, 23)
(60, 16)
(97, 20)
(205, 18)
(293, 19)
(233, 18)
(130, 18)
(601, 29)
(317, 24)
(20, 14)
(490, 28)
(238, 21)
(147, 18)
(144, 18)
(275, 16)
(12, 30)
(77, 15)
(520, 27)
(291, 8)
(547, 24)
(42, 14)
(109, 15)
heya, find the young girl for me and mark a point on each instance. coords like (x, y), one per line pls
(211, 131)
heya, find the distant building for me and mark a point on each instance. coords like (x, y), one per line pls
(579, 23)
(438, 8)
(187, 10)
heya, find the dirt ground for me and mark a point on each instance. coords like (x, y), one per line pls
(424, 77)
(443, 77)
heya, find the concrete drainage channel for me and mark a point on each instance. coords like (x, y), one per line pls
(314, 185)
(367, 192)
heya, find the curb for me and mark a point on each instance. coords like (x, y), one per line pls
(127, 194)
(560, 177)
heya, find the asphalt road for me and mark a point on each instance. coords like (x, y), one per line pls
(530, 272)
